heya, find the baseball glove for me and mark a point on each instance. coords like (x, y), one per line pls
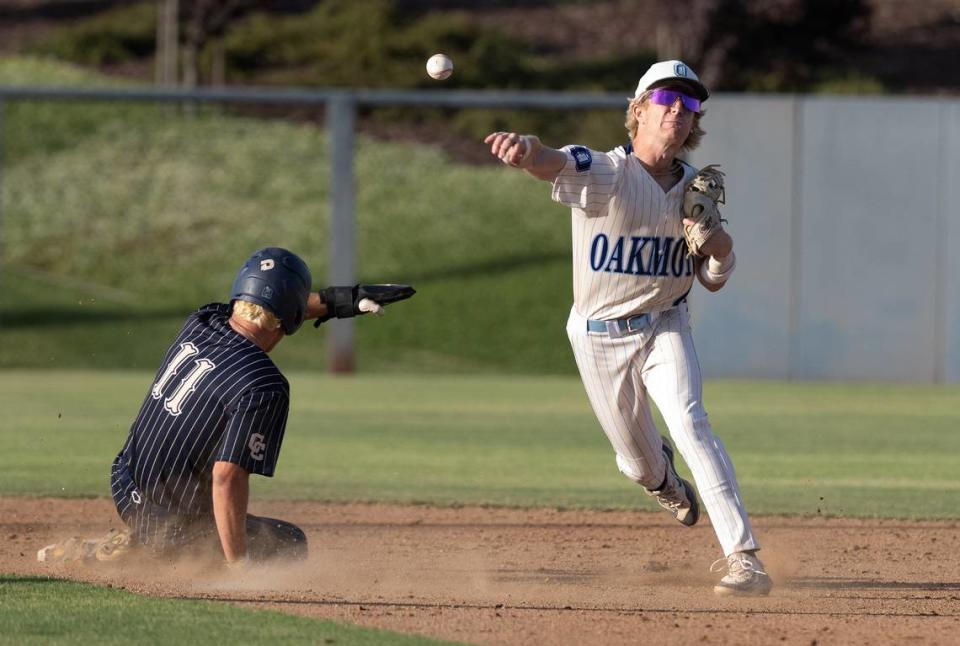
(344, 302)
(700, 199)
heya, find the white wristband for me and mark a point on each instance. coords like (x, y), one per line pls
(527, 150)
(717, 272)
(721, 266)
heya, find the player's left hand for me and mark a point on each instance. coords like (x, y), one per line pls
(718, 245)
(346, 302)
(702, 220)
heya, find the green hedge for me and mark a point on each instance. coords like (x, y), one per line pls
(116, 36)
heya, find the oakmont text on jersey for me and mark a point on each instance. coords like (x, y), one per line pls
(648, 256)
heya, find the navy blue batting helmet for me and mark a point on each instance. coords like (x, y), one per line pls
(278, 280)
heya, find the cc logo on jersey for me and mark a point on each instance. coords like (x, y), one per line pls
(256, 445)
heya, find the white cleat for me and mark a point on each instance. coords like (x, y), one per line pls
(745, 576)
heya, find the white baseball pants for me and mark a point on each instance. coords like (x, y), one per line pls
(621, 374)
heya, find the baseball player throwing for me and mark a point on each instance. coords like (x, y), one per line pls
(645, 224)
(216, 412)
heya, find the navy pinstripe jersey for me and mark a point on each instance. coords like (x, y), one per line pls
(217, 397)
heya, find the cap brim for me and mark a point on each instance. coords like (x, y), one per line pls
(697, 89)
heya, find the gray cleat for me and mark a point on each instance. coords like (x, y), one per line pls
(676, 495)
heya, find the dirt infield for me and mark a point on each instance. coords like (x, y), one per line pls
(507, 576)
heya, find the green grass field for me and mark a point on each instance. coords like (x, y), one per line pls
(830, 449)
(86, 614)
(802, 448)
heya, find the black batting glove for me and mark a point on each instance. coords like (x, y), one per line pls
(344, 302)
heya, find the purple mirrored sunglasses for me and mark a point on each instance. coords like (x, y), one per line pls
(662, 96)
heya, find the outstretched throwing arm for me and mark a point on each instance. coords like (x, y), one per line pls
(527, 152)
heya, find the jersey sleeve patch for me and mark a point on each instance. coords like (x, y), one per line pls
(581, 158)
(255, 432)
(587, 180)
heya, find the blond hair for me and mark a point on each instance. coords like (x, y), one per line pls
(255, 314)
(632, 123)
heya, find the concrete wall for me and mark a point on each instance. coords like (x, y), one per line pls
(846, 218)
(948, 233)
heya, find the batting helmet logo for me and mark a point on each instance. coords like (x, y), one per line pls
(278, 280)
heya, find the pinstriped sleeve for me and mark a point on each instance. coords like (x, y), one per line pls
(255, 431)
(588, 179)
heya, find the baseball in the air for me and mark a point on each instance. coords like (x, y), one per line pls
(440, 67)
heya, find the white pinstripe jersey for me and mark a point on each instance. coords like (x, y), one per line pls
(217, 397)
(629, 256)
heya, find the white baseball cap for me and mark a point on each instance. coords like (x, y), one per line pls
(667, 72)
